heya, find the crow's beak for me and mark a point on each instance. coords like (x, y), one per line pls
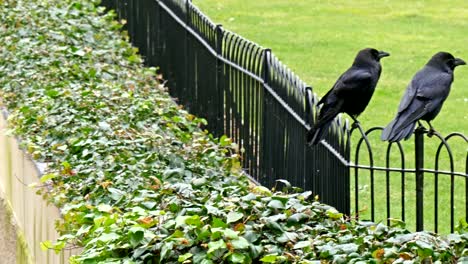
(383, 54)
(459, 62)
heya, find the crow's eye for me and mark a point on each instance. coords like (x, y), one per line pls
(451, 63)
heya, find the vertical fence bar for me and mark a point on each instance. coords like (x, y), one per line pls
(263, 151)
(260, 138)
(452, 202)
(436, 200)
(346, 173)
(419, 163)
(387, 183)
(221, 128)
(188, 95)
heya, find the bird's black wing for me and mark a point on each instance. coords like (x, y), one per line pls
(408, 105)
(418, 108)
(426, 85)
(409, 96)
(352, 79)
(424, 94)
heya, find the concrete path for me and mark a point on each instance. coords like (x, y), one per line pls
(7, 236)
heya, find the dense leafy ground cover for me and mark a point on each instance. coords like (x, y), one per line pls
(135, 177)
(319, 39)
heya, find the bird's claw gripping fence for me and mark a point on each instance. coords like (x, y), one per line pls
(245, 92)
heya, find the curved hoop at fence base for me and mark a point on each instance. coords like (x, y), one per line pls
(421, 189)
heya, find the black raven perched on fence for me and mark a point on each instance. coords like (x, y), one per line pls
(351, 92)
(424, 97)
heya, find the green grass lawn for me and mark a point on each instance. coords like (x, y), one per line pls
(319, 40)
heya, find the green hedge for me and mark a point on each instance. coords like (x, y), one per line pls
(135, 177)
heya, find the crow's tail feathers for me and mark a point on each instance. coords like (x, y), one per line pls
(317, 133)
(326, 116)
(387, 131)
(405, 133)
(394, 132)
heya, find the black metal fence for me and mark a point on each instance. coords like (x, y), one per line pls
(245, 92)
(421, 195)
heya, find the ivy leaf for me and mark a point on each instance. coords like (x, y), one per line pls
(47, 177)
(230, 234)
(397, 223)
(184, 220)
(149, 205)
(276, 204)
(297, 218)
(46, 245)
(107, 237)
(302, 244)
(184, 257)
(165, 250)
(328, 250)
(80, 53)
(105, 208)
(233, 217)
(136, 235)
(134, 58)
(240, 243)
(57, 247)
(213, 246)
(348, 248)
(304, 196)
(213, 210)
(225, 141)
(237, 258)
(269, 259)
(287, 236)
(104, 126)
(115, 193)
(251, 236)
(334, 214)
(261, 190)
(194, 220)
(83, 230)
(52, 93)
(216, 223)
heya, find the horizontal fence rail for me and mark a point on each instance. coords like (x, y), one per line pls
(246, 93)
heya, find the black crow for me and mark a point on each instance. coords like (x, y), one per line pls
(351, 92)
(424, 97)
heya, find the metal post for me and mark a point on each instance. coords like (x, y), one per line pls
(264, 136)
(220, 127)
(187, 91)
(347, 155)
(265, 70)
(419, 162)
(157, 42)
(346, 180)
(308, 111)
(466, 191)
